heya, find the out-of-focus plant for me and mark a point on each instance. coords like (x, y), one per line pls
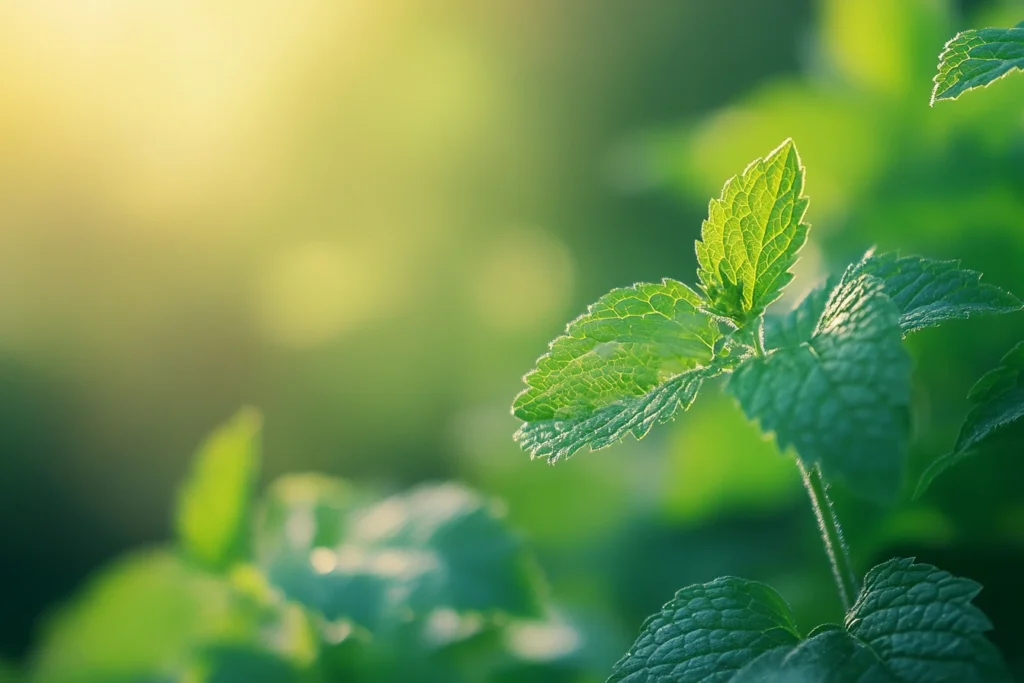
(315, 580)
(831, 380)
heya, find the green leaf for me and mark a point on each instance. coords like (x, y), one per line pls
(831, 656)
(998, 399)
(632, 360)
(976, 58)
(752, 235)
(440, 546)
(930, 292)
(912, 623)
(797, 326)
(707, 633)
(139, 619)
(841, 399)
(213, 504)
(920, 622)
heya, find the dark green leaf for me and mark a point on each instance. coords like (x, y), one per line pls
(920, 622)
(842, 398)
(831, 656)
(797, 326)
(912, 623)
(708, 632)
(930, 292)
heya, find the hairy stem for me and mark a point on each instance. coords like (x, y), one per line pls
(831, 533)
(759, 337)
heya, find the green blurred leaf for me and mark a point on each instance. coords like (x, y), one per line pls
(707, 631)
(842, 398)
(912, 623)
(977, 57)
(137, 620)
(631, 361)
(752, 235)
(9, 673)
(930, 292)
(998, 399)
(439, 546)
(152, 617)
(213, 510)
(234, 663)
(299, 512)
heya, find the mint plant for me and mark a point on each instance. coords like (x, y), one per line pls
(977, 57)
(831, 380)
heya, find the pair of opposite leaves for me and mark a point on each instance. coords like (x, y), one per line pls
(835, 381)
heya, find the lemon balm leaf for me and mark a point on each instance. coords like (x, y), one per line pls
(929, 292)
(797, 326)
(829, 656)
(976, 58)
(752, 235)
(707, 633)
(911, 623)
(558, 439)
(842, 398)
(920, 621)
(632, 360)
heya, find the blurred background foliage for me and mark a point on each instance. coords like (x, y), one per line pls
(368, 218)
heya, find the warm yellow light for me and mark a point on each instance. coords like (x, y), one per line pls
(523, 280)
(316, 291)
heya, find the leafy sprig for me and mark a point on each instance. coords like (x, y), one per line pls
(830, 379)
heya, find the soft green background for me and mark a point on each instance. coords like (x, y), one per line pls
(368, 218)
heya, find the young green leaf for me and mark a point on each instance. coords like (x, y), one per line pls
(841, 399)
(976, 58)
(213, 505)
(930, 292)
(434, 547)
(752, 235)
(912, 623)
(998, 399)
(708, 632)
(633, 359)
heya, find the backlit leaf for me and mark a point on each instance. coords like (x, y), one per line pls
(752, 235)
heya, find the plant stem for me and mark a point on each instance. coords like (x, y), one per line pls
(831, 533)
(758, 340)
